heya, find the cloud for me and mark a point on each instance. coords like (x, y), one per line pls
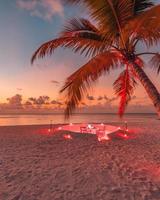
(28, 103)
(55, 82)
(83, 104)
(44, 104)
(41, 100)
(19, 89)
(27, 5)
(134, 97)
(54, 102)
(90, 98)
(15, 101)
(110, 100)
(44, 9)
(105, 97)
(100, 98)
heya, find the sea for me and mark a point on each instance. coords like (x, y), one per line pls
(39, 119)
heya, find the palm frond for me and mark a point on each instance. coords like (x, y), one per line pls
(141, 5)
(79, 35)
(145, 27)
(124, 87)
(111, 15)
(78, 84)
(155, 62)
(86, 44)
(77, 25)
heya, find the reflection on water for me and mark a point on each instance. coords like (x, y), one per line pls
(77, 118)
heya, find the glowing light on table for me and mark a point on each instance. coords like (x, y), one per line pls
(89, 126)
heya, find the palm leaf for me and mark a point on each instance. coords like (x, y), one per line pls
(141, 5)
(84, 44)
(111, 15)
(124, 87)
(145, 27)
(155, 62)
(80, 36)
(77, 25)
(77, 85)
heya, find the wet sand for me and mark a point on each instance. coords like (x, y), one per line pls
(36, 165)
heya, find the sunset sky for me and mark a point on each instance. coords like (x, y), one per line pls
(25, 24)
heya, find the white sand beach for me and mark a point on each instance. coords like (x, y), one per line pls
(35, 165)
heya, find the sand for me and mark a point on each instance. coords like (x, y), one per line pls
(38, 166)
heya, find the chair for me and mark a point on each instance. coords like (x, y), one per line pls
(100, 132)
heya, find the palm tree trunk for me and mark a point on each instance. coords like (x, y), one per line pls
(149, 87)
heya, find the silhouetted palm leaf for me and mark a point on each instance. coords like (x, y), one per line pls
(110, 15)
(141, 5)
(124, 87)
(155, 62)
(82, 44)
(79, 35)
(145, 27)
(77, 25)
(79, 82)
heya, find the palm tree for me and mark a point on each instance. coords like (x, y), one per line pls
(112, 44)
